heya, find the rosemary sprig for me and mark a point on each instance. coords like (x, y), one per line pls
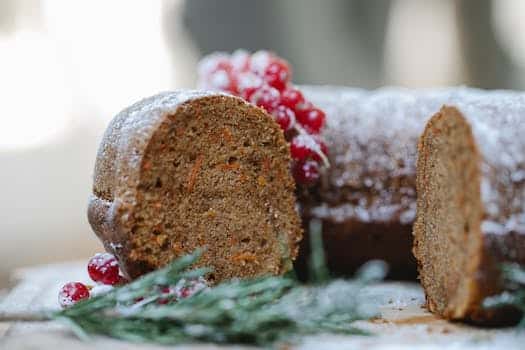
(256, 311)
(514, 294)
(317, 263)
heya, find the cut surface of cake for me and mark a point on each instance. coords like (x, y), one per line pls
(186, 170)
(471, 202)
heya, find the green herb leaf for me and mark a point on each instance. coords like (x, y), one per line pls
(317, 264)
(256, 311)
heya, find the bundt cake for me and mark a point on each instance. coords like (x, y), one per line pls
(471, 201)
(188, 169)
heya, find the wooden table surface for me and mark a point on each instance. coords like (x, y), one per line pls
(404, 323)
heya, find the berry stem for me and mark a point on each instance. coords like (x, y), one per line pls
(320, 153)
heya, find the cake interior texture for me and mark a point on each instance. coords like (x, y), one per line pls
(214, 175)
(448, 239)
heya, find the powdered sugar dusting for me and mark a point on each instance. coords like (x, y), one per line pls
(372, 139)
(64, 299)
(130, 127)
(498, 123)
(100, 289)
(103, 261)
(260, 60)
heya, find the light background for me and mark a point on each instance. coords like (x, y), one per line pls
(67, 67)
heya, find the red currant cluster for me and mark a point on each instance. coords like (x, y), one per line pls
(264, 79)
(104, 270)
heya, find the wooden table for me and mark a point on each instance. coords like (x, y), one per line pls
(404, 323)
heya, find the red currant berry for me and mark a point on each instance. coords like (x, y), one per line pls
(302, 146)
(103, 268)
(223, 80)
(266, 97)
(248, 83)
(284, 116)
(312, 119)
(259, 61)
(303, 106)
(277, 74)
(240, 61)
(306, 173)
(213, 63)
(216, 72)
(71, 293)
(291, 97)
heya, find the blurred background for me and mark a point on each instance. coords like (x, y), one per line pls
(67, 67)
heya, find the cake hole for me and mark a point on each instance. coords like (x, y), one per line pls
(263, 242)
(158, 183)
(232, 160)
(246, 240)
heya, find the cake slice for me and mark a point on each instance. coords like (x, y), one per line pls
(188, 169)
(471, 202)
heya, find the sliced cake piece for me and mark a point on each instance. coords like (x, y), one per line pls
(471, 202)
(183, 170)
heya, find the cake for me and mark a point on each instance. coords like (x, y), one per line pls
(366, 200)
(187, 169)
(471, 202)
